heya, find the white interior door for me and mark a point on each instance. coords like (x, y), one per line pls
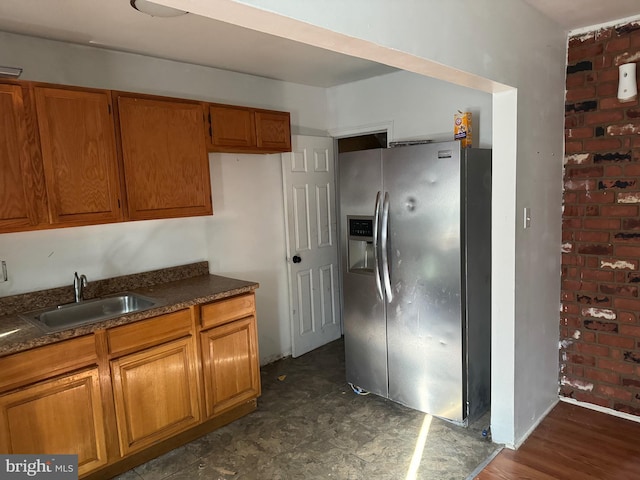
(312, 246)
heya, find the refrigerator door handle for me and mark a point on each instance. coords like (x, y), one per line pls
(384, 240)
(376, 256)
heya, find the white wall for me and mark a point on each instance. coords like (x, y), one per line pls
(247, 193)
(70, 64)
(503, 41)
(46, 259)
(417, 107)
(247, 239)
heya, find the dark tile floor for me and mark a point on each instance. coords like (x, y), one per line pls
(310, 425)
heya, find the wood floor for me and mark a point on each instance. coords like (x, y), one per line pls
(572, 443)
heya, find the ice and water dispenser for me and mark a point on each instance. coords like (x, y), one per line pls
(360, 252)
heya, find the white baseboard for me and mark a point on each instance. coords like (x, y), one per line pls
(598, 408)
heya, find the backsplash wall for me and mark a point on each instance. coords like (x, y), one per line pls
(600, 317)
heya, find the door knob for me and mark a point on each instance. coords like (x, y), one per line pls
(296, 259)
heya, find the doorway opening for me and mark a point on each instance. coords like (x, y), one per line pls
(368, 141)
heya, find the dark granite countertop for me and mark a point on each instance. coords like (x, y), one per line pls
(17, 334)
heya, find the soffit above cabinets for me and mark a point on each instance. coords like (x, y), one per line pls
(191, 38)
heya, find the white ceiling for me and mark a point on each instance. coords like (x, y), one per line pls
(576, 14)
(114, 24)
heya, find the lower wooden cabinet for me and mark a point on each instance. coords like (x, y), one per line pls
(61, 415)
(124, 395)
(230, 365)
(156, 394)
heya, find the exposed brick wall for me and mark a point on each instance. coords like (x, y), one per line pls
(600, 317)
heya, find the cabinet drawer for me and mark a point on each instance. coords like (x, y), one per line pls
(146, 333)
(46, 362)
(224, 311)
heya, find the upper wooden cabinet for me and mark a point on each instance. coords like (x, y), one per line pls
(166, 166)
(248, 130)
(273, 131)
(22, 190)
(72, 156)
(79, 155)
(232, 127)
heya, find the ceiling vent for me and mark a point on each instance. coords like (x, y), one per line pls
(10, 72)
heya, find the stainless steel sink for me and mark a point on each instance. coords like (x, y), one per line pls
(71, 315)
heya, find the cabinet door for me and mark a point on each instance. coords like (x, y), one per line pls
(273, 131)
(232, 126)
(155, 393)
(22, 191)
(79, 155)
(230, 364)
(59, 416)
(165, 158)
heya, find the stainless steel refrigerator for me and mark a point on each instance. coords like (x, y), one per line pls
(415, 225)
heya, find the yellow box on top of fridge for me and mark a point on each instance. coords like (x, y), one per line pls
(462, 129)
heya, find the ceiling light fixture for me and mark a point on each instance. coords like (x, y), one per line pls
(627, 84)
(156, 10)
(10, 72)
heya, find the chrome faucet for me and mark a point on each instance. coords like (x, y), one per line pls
(79, 282)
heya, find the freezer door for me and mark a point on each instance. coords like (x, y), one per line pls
(424, 318)
(360, 178)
